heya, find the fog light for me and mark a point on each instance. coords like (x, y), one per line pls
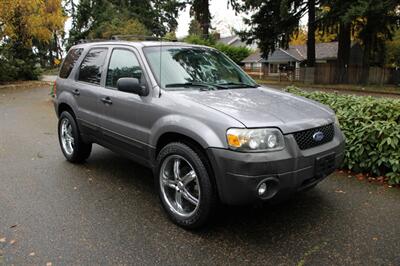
(262, 188)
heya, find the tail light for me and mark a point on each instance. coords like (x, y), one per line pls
(54, 89)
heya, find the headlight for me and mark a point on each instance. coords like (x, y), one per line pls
(260, 139)
(337, 121)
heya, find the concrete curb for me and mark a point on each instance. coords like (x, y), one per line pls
(25, 84)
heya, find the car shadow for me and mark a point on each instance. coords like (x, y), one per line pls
(259, 222)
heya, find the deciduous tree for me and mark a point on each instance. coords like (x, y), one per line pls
(152, 17)
(25, 24)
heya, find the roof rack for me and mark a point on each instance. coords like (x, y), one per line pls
(91, 40)
(141, 38)
(129, 38)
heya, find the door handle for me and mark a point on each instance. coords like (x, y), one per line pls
(76, 92)
(106, 100)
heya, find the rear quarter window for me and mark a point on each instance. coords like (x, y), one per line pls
(69, 62)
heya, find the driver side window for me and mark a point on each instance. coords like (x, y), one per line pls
(123, 64)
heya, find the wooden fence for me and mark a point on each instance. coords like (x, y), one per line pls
(326, 73)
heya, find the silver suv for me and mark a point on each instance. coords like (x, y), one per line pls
(208, 131)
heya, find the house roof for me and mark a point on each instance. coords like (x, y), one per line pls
(254, 58)
(323, 51)
(228, 40)
(296, 53)
(234, 41)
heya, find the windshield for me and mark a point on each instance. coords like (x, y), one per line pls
(195, 67)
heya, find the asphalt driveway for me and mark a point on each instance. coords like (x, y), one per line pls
(106, 211)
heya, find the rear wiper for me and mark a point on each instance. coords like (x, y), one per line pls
(191, 84)
(236, 85)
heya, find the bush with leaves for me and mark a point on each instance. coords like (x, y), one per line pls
(236, 53)
(372, 130)
(17, 66)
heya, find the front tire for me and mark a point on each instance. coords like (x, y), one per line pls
(72, 146)
(184, 185)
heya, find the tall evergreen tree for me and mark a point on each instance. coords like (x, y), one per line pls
(273, 23)
(200, 10)
(334, 20)
(377, 21)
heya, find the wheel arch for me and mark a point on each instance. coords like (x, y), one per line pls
(65, 107)
(170, 137)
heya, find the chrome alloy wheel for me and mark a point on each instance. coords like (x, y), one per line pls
(179, 185)
(67, 140)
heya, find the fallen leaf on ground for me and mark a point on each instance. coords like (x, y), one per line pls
(360, 177)
(49, 264)
(12, 242)
(339, 191)
(32, 254)
(375, 238)
(2, 240)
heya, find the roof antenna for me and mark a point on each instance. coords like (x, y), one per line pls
(161, 43)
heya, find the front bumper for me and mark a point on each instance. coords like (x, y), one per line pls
(239, 174)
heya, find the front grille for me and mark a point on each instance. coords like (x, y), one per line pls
(305, 139)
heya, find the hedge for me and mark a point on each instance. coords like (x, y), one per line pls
(236, 53)
(372, 130)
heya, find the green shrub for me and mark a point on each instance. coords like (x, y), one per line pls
(372, 130)
(14, 66)
(237, 54)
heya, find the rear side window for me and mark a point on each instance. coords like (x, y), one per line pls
(69, 62)
(123, 64)
(92, 65)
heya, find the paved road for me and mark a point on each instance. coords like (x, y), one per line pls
(106, 211)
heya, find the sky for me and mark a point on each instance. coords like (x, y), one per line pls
(223, 19)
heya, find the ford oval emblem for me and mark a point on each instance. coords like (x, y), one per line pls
(318, 136)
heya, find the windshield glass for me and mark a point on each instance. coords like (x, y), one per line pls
(183, 67)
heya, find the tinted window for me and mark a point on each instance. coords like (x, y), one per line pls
(91, 67)
(123, 64)
(179, 65)
(69, 62)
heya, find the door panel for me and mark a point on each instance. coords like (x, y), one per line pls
(122, 120)
(85, 90)
(87, 107)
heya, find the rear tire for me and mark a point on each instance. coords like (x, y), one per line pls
(72, 146)
(184, 185)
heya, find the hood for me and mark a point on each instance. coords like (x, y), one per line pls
(262, 107)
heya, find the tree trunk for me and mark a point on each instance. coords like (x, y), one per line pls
(201, 11)
(366, 60)
(205, 20)
(51, 57)
(311, 34)
(341, 73)
(73, 14)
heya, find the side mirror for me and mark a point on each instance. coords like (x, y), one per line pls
(132, 85)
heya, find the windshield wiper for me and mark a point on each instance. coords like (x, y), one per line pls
(236, 85)
(191, 84)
